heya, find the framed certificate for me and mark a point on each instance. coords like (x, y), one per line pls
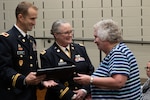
(60, 73)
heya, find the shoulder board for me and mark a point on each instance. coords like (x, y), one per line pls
(43, 52)
(81, 44)
(5, 34)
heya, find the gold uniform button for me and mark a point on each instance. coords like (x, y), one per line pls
(76, 88)
(21, 56)
(75, 73)
(30, 57)
(61, 90)
(23, 40)
(31, 65)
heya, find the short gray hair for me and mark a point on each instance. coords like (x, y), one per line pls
(55, 26)
(108, 30)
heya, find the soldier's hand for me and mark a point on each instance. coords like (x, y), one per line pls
(80, 94)
(33, 79)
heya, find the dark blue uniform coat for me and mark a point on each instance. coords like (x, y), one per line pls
(53, 57)
(18, 57)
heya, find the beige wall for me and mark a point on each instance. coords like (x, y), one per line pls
(132, 15)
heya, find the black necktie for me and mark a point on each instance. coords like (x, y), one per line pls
(27, 38)
(67, 52)
(66, 49)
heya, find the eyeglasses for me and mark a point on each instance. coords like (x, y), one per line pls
(147, 68)
(67, 32)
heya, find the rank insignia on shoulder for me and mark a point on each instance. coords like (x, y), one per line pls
(43, 52)
(81, 44)
(4, 34)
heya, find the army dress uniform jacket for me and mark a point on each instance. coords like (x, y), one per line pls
(18, 57)
(53, 57)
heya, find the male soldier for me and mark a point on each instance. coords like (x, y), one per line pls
(18, 57)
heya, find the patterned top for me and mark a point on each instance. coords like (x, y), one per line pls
(146, 90)
(120, 60)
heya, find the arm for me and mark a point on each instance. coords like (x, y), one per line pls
(117, 81)
(48, 60)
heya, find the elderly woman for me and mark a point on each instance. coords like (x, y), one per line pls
(117, 76)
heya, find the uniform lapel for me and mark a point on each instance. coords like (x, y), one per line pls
(60, 53)
(21, 40)
(32, 45)
(73, 51)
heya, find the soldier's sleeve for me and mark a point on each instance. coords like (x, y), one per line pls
(63, 91)
(90, 66)
(43, 59)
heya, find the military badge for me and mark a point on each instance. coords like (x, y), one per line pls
(79, 58)
(19, 47)
(20, 52)
(20, 62)
(43, 52)
(4, 34)
(61, 62)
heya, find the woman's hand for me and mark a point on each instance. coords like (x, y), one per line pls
(49, 83)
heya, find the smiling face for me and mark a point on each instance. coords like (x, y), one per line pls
(27, 22)
(97, 41)
(100, 44)
(64, 36)
(103, 45)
